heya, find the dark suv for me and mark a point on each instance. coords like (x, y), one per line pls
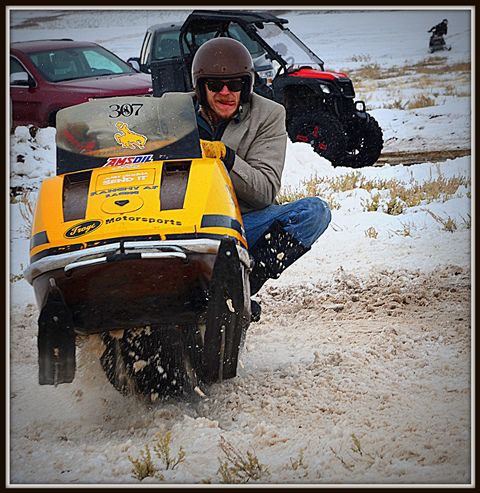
(162, 42)
(48, 75)
(321, 107)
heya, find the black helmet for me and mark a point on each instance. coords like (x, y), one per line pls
(222, 58)
(445, 21)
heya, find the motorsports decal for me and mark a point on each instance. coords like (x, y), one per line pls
(149, 220)
(81, 229)
(128, 161)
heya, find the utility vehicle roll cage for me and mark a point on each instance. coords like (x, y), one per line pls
(204, 21)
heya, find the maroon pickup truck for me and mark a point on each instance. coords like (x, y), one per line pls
(48, 75)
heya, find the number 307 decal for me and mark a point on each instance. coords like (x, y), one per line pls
(126, 109)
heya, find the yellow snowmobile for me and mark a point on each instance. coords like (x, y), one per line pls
(139, 238)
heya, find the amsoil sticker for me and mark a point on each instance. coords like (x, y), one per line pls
(128, 161)
(128, 138)
(81, 229)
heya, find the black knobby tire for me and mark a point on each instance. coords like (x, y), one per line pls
(364, 145)
(322, 131)
(152, 362)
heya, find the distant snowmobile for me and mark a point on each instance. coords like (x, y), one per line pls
(437, 41)
(139, 239)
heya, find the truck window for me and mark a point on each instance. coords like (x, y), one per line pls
(238, 33)
(234, 31)
(16, 67)
(166, 45)
(147, 41)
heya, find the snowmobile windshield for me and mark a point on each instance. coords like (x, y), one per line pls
(288, 46)
(131, 130)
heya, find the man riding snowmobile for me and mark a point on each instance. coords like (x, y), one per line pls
(140, 243)
(437, 42)
(247, 131)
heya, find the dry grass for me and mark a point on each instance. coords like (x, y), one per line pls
(236, 467)
(321, 186)
(397, 104)
(163, 451)
(359, 456)
(452, 90)
(395, 206)
(421, 101)
(144, 466)
(26, 207)
(449, 224)
(299, 463)
(371, 232)
(406, 231)
(373, 204)
(371, 78)
(467, 222)
(401, 196)
(370, 71)
(440, 68)
(431, 65)
(239, 468)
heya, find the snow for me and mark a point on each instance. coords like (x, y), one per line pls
(100, 427)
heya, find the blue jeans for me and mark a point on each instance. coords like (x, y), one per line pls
(305, 219)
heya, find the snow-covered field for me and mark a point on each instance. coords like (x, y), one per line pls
(362, 360)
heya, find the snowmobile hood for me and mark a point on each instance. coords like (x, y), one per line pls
(135, 201)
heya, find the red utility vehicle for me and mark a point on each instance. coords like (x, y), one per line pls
(320, 104)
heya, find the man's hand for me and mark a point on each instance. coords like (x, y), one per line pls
(213, 149)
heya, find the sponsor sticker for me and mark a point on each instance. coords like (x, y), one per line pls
(125, 178)
(149, 220)
(128, 161)
(129, 139)
(113, 192)
(83, 228)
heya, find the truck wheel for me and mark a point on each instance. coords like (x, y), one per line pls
(322, 131)
(364, 145)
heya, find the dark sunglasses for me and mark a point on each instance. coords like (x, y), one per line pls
(217, 85)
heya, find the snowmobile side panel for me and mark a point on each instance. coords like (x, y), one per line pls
(228, 315)
(56, 341)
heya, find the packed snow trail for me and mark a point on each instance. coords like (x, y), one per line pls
(370, 377)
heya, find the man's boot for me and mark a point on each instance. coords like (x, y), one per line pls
(273, 252)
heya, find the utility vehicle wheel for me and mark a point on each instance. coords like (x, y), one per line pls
(364, 145)
(152, 362)
(322, 131)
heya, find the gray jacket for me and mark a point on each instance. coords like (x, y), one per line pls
(259, 140)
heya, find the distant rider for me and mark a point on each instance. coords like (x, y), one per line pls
(248, 133)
